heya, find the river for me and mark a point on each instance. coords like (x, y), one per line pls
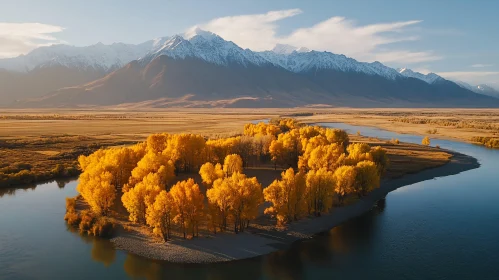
(446, 228)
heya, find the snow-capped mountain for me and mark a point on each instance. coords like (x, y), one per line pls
(481, 89)
(200, 68)
(430, 78)
(303, 61)
(99, 56)
(206, 46)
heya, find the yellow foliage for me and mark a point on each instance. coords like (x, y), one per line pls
(426, 141)
(261, 129)
(325, 157)
(344, 178)
(232, 163)
(380, 158)
(188, 201)
(319, 191)
(286, 197)
(137, 199)
(237, 196)
(160, 215)
(367, 177)
(209, 173)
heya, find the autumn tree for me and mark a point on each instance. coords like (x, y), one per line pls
(325, 157)
(210, 172)
(367, 177)
(232, 163)
(139, 198)
(380, 158)
(185, 151)
(319, 191)
(152, 163)
(96, 188)
(160, 215)
(426, 141)
(246, 196)
(287, 197)
(344, 178)
(188, 202)
(219, 198)
(286, 149)
(237, 196)
(337, 136)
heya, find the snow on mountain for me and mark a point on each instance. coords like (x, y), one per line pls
(206, 46)
(304, 60)
(99, 57)
(284, 49)
(430, 78)
(481, 89)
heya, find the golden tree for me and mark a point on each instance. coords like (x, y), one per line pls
(188, 202)
(337, 136)
(367, 177)
(245, 197)
(426, 141)
(96, 188)
(232, 163)
(160, 215)
(185, 151)
(325, 157)
(152, 163)
(219, 198)
(319, 191)
(287, 197)
(286, 149)
(209, 173)
(137, 199)
(344, 178)
(380, 158)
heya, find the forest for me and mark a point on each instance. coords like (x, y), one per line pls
(320, 168)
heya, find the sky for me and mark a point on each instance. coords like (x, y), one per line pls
(457, 39)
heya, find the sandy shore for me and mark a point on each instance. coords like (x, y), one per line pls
(260, 241)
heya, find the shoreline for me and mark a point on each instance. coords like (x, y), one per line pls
(258, 241)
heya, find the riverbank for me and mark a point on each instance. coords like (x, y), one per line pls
(261, 239)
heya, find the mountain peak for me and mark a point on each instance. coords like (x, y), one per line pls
(196, 31)
(284, 49)
(429, 78)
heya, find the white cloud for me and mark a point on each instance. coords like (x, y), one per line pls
(337, 34)
(257, 32)
(20, 38)
(481, 65)
(472, 77)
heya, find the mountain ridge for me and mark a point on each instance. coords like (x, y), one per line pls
(203, 68)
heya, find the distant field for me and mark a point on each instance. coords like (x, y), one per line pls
(45, 138)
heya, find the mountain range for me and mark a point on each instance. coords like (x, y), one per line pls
(201, 69)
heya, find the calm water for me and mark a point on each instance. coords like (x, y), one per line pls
(446, 228)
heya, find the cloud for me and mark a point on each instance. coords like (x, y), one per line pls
(472, 77)
(481, 65)
(257, 32)
(336, 34)
(20, 38)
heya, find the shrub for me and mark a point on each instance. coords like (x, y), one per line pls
(87, 220)
(395, 141)
(70, 204)
(72, 218)
(426, 141)
(102, 227)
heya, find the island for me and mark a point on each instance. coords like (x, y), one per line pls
(188, 198)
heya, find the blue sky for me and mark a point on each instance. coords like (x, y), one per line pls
(457, 39)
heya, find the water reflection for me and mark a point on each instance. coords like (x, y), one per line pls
(61, 183)
(139, 268)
